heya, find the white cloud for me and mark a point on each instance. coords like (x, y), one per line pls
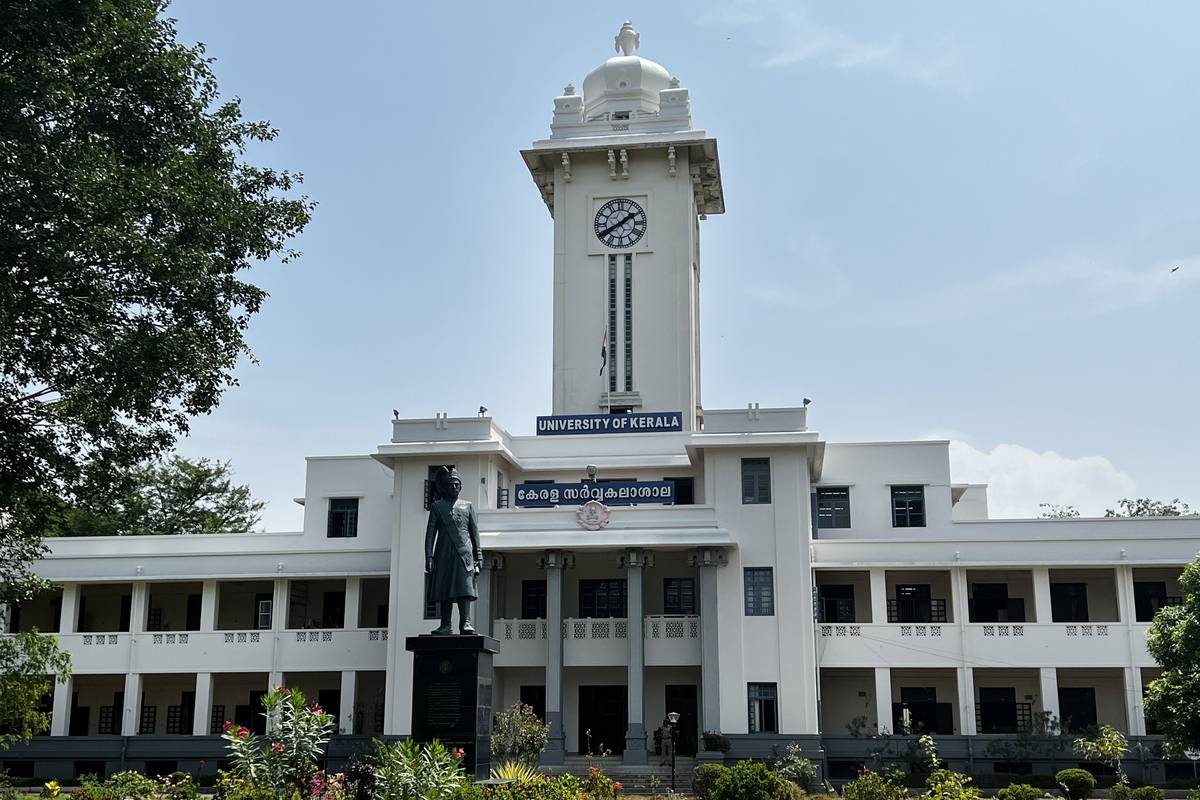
(1019, 479)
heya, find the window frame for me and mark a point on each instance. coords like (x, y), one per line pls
(756, 486)
(761, 694)
(912, 517)
(680, 605)
(753, 599)
(342, 523)
(834, 514)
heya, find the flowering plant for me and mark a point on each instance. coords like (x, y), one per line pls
(297, 734)
(519, 735)
(328, 787)
(599, 786)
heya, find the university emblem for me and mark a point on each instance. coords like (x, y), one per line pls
(592, 515)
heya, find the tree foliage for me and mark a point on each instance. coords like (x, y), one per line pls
(1146, 507)
(174, 496)
(1055, 511)
(25, 662)
(128, 213)
(1173, 699)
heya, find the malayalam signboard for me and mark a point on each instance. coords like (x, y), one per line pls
(582, 424)
(611, 493)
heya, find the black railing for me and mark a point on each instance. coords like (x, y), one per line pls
(916, 610)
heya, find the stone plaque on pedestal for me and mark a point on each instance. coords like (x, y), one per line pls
(452, 695)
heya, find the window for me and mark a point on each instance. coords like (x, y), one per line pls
(1149, 597)
(837, 603)
(1068, 602)
(610, 354)
(756, 481)
(764, 707)
(603, 597)
(262, 615)
(343, 518)
(149, 721)
(908, 506)
(760, 592)
(679, 596)
(1077, 705)
(533, 599)
(833, 507)
(685, 490)
(629, 322)
(989, 602)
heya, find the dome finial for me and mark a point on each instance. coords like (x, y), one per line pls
(627, 39)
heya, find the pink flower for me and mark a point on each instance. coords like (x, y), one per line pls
(277, 747)
(316, 708)
(227, 725)
(243, 732)
(459, 752)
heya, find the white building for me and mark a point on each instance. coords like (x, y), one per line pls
(767, 584)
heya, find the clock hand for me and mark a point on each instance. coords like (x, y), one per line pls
(616, 225)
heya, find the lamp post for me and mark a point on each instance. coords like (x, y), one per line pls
(673, 718)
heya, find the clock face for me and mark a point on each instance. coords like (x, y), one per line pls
(620, 223)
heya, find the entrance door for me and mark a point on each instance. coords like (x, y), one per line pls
(682, 698)
(603, 719)
(997, 709)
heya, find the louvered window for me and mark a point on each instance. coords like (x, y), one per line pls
(756, 480)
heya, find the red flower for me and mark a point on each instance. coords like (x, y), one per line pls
(316, 708)
(227, 725)
(277, 747)
(592, 771)
(243, 732)
(617, 785)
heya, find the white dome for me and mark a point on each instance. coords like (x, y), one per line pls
(625, 82)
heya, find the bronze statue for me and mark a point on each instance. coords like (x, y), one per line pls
(453, 557)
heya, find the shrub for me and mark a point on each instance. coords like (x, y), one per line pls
(178, 786)
(1194, 794)
(1121, 791)
(360, 778)
(789, 791)
(1076, 783)
(516, 771)
(1148, 793)
(870, 785)
(288, 757)
(410, 771)
(705, 775)
(1020, 791)
(945, 784)
(748, 780)
(599, 786)
(518, 734)
(232, 786)
(795, 768)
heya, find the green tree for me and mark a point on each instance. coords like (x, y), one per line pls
(1145, 507)
(128, 212)
(1108, 746)
(174, 496)
(1055, 511)
(1173, 699)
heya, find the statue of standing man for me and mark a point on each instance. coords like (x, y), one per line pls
(453, 557)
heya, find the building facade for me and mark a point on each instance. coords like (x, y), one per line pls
(643, 554)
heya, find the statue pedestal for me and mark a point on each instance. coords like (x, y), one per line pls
(452, 695)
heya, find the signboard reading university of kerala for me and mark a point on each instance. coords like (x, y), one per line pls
(611, 493)
(642, 422)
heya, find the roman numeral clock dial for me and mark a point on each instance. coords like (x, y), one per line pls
(620, 223)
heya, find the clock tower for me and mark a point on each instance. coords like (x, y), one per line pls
(627, 179)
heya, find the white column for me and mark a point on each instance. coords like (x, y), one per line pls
(279, 605)
(137, 608)
(1135, 717)
(1041, 601)
(1125, 604)
(352, 601)
(131, 718)
(635, 735)
(208, 607)
(1048, 678)
(966, 701)
(710, 651)
(555, 752)
(879, 601)
(60, 716)
(68, 621)
(203, 707)
(959, 596)
(883, 700)
(483, 606)
(345, 722)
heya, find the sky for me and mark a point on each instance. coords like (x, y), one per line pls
(944, 220)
